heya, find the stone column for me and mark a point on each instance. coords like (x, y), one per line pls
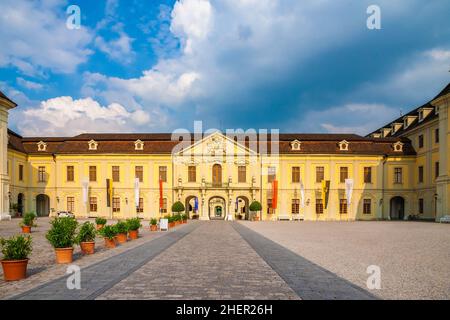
(443, 181)
(5, 106)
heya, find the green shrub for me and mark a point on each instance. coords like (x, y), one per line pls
(177, 217)
(121, 227)
(178, 207)
(86, 233)
(62, 232)
(28, 219)
(153, 221)
(170, 219)
(16, 248)
(100, 220)
(134, 224)
(108, 232)
(184, 216)
(255, 206)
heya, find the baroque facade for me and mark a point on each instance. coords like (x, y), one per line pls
(400, 170)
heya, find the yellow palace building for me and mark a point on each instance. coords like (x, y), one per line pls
(399, 170)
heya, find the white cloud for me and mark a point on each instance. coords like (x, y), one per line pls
(29, 84)
(119, 49)
(66, 116)
(35, 39)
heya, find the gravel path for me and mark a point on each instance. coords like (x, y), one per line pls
(414, 257)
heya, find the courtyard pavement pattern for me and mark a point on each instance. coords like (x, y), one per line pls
(259, 260)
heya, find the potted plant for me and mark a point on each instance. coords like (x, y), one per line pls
(177, 207)
(153, 224)
(28, 222)
(109, 233)
(86, 237)
(184, 218)
(255, 206)
(100, 222)
(171, 222)
(122, 231)
(62, 237)
(176, 219)
(15, 257)
(133, 227)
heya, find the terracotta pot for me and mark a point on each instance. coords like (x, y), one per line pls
(133, 234)
(88, 247)
(153, 227)
(14, 269)
(110, 243)
(26, 229)
(171, 225)
(100, 226)
(64, 255)
(122, 238)
(184, 221)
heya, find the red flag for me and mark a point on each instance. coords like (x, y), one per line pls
(274, 194)
(161, 202)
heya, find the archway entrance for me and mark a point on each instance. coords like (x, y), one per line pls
(242, 205)
(42, 205)
(217, 208)
(397, 211)
(190, 208)
(20, 201)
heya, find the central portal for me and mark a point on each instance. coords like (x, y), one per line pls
(216, 208)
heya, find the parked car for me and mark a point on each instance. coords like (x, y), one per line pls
(64, 214)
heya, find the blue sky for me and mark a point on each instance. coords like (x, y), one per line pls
(155, 66)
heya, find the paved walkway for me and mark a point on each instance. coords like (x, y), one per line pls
(204, 260)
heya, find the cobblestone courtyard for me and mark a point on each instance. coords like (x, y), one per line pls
(245, 260)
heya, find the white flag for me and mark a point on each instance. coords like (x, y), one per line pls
(349, 190)
(302, 194)
(136, 192)
(85, 185)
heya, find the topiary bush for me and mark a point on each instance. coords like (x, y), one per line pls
(16, 248)
(178, 207)
(62, 232)
(255, 206)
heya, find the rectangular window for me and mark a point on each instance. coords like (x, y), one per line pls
(115, 173)
(70, 173)
(436, 135)
(92, 173)
(41, 174)
(367, 174)
(271, 174)
(93, 204)
(320, 174)
(139, 173)
(421, 141)
(70, 204)
(319, 206)
(436, 169)
(398, 175)
(295, 174)
(343, 206)
(140, 207)
(163, 173)
(420, 174)
(269, 206)
(116, 204)
(343, 174)
(164, 206)
(242, 174)
(420, 206)
(192, 174)
(20, 172)
(367, 206)
(295, 206)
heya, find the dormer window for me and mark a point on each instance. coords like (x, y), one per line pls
(42, 146)
(396, 126)
(421, 115)
(424, 112)
(93, 145)
(398, 146)
(296, 145)
(376, 135)
(436, 110)
(343, 145)
(138, 145)
(385, 132)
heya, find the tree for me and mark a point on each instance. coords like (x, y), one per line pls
(255, 206)
(178, 207)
